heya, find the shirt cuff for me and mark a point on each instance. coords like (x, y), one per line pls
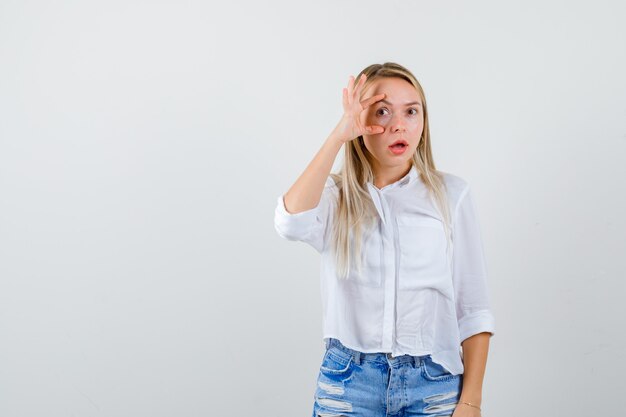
(477, 322)
(294, 226)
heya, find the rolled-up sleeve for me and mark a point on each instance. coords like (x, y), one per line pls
(469, 271)
(309, 226)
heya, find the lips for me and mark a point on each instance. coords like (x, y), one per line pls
(399, 143)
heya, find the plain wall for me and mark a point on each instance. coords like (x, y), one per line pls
(143, 145)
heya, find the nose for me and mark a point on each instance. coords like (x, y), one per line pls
(397, 123)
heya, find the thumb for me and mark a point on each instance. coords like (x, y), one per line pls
(375, 129)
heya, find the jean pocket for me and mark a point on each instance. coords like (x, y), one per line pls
(336, 363)
(433, 371)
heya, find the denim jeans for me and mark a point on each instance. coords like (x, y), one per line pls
(353, 383)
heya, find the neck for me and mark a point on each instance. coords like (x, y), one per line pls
(384, 176)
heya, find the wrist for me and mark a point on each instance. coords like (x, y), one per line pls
(334, 140)
(470, 405)
(472, 400)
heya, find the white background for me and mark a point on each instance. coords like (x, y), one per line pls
(143, 145)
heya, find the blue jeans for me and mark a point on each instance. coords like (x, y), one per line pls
(353, 383)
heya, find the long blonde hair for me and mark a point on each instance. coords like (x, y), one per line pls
(355, 210)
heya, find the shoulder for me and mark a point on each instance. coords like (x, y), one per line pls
(456, 186)
(332, 183)
(331, 188)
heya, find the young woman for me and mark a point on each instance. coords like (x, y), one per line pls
(406, 311)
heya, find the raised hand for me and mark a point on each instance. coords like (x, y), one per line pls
(350, 126)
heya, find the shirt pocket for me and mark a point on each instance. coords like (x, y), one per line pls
(422, 247)
(371, 260)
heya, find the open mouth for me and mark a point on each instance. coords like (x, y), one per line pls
(400, 144)
(399, 147)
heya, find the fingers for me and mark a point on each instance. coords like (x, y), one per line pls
(353, 91)
(373, 129)
(350, 87)
(368, 102)
(357, 89)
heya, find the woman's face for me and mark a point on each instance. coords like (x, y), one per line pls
(401, 114)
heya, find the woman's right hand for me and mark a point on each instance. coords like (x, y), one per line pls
(350, 126)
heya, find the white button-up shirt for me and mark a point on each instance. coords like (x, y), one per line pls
(413, 296)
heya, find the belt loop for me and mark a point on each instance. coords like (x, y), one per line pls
(416, 359)
(357, 357)
(327, 343)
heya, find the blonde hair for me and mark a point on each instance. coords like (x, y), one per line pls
(355, 210)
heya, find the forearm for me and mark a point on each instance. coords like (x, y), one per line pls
(306, 192)
(475, 350)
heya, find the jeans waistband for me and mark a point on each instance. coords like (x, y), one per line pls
(381, 356)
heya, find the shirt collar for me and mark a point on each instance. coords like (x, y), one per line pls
(410, 177)
(407, 179)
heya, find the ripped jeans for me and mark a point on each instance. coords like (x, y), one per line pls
(352, 383)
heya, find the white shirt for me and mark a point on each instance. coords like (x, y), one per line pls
(412, 296)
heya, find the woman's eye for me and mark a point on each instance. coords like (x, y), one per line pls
(380, 111)
(415, 111)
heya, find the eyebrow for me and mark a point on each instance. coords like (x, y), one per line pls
(407, 104)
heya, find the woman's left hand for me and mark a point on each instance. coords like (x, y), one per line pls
(464, 410)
